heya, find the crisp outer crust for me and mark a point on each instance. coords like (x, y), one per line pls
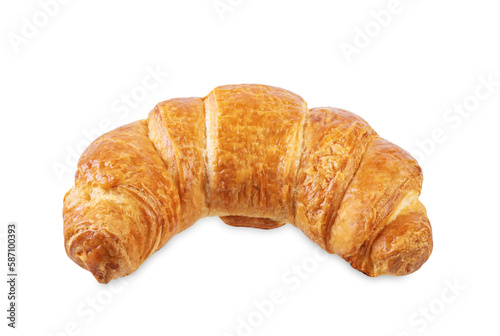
(257, 138)
(177, 129)
(385, 186)
(404, 244)
(383, 179)
(124, 205)
(336, 140)
(257, 157)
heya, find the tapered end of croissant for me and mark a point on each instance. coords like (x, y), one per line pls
(100, 253)
(403, 246)
(95, 235)
(400, 248)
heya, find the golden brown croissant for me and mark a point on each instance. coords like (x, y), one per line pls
(257, 157)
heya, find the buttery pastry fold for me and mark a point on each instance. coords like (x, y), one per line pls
(255, 156)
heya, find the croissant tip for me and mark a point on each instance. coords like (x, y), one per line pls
(102, 271)
(399, 264)
(102, 277)
(96, 252)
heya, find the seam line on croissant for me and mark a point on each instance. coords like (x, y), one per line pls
(305, 120)
(331, 223)
(168, 172)
(152, 209)
(205, 160)
(209, 146)
(377, 229)
(160, 117)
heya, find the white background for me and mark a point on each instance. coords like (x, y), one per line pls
(66, 79)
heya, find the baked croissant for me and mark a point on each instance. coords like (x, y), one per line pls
(255, 156)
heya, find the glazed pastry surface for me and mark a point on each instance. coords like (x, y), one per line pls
(255, 156)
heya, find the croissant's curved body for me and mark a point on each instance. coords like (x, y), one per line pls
(255, 156)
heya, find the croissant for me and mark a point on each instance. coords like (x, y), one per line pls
(255, 156)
